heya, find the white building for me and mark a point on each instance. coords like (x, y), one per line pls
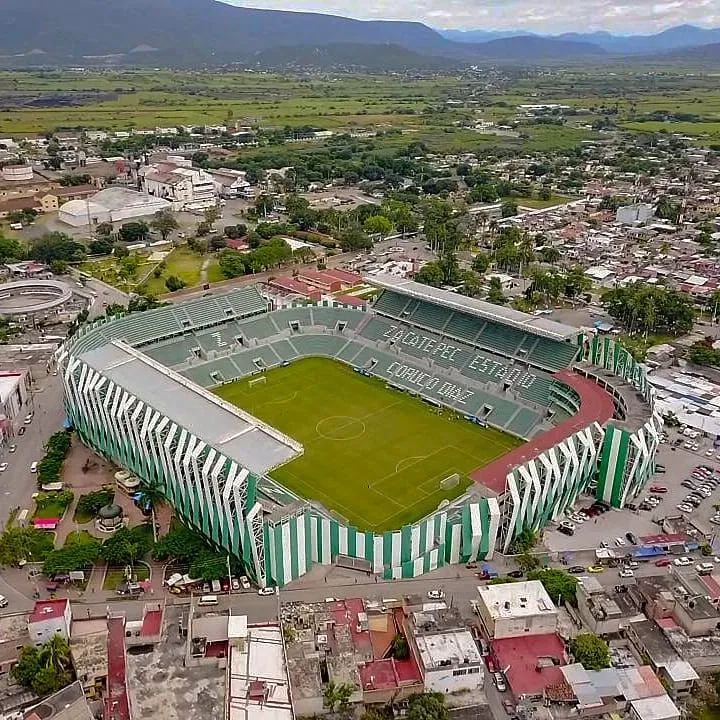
(230, 183)
(113, 204)
(257, 687)
(445, 651)
(185, 188)
(17, 173)
(512, 609)
(49, 618)
(638, 213)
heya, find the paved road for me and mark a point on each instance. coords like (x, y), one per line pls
(17, 483)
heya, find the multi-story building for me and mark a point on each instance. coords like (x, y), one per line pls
(186, 188)
(522, 608)
(49, 618)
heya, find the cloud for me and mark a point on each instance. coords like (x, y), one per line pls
(629, 17)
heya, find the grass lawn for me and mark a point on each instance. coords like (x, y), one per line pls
(538, 204)
(374, 455)
(116, 576)
(182, 262)
(50, 508)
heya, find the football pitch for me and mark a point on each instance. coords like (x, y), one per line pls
(374, 455)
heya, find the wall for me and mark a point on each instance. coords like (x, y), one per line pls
(307, 537)
(454, 679)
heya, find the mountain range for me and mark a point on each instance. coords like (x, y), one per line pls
(209, 32)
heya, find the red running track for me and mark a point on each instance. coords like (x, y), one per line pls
(596, 405)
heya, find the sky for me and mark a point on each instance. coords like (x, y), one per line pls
(549, 17)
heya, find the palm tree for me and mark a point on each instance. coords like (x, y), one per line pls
(55, 654)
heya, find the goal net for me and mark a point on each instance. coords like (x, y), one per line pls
(257, 381)
(450, 482)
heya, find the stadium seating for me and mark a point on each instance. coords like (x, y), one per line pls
(221, 337)
(431, 316)
(523, 422)
(259, 327)
(393, 304)
(537, 391)
(203, 374)
(464, 327)
(553, 355)
(375, 329)
(284, 350)
(501, 339)
(325, 345)
(329, 317)
(243, 302)
(172, 352)
(301, 315)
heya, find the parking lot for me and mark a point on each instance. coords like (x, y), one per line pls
(679, 463)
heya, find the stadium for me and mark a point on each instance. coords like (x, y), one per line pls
(422, 430)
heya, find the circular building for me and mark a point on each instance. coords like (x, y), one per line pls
(26, 297)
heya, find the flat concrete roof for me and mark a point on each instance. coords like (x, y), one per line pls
(450, 648)
(520, 599)
(227, 429)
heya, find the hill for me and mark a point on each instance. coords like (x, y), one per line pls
(704, 54)
(191, 32)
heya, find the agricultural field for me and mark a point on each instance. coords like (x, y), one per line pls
(374, 455)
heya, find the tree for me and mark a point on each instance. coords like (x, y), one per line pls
(336, 696)
(59, 267)
(354, 239)
(91, 503)
(102, 246)
(560, 586)
(44, 670)
(104, 229)
(77, 554)
(264, 204)
(481, 262)
(495, 292)
(232, 263)
(509, 208)
(430, 274)
(164, 222)
(548, 254)
(126, 546)
(400, 648)
(591, 651)
(27, 666)
(174, 283)
(428, 706)
(212, 215)
(120, 251)
(378, 225)
(24, 544)
(56, 246)
(134, 232)
(11, 250)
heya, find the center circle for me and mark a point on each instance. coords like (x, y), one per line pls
(340, 427)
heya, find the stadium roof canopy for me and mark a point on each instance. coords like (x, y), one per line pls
(536, 324)
(230, 430)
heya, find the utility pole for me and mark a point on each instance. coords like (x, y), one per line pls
(227, 559)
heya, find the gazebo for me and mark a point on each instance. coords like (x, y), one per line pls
(110, 518)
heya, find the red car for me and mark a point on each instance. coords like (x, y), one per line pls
(658, 489)
(491, 665)
(663, 562)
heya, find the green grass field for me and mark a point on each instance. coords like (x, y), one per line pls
(372, 454)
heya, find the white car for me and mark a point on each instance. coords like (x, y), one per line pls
(266, 591)
(3, 467)
(682, 561)
(619, 541)
(235, 584)
(709, 452)
(28, 418)
(435, 594)
(684, 508)
(626, 573)
(12, 448)
(244, 582)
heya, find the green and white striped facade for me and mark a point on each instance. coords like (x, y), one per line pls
(223, 500)
(308, 537)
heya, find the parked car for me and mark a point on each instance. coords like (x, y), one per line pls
(684, 507)
(682, 561)
(577, 569)
(499, 681)
(3, 467)
(658, 489)
(244, 582)
(12, 448)
(626, 572)
(619, 542)
(596, 569)
(266, 591)
(663, 562)
(435, 594)
(632, 538)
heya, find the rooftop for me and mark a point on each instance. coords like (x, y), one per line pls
(48, 609)
(258, 687)
(655, 708)
(448, 649)
(89, 654)
(531, 663)
(536, 324)
(222, 426)
(591, 687)
(66, 704)
(516, 599)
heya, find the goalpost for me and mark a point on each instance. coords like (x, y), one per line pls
(257, 381)
(450, 482)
